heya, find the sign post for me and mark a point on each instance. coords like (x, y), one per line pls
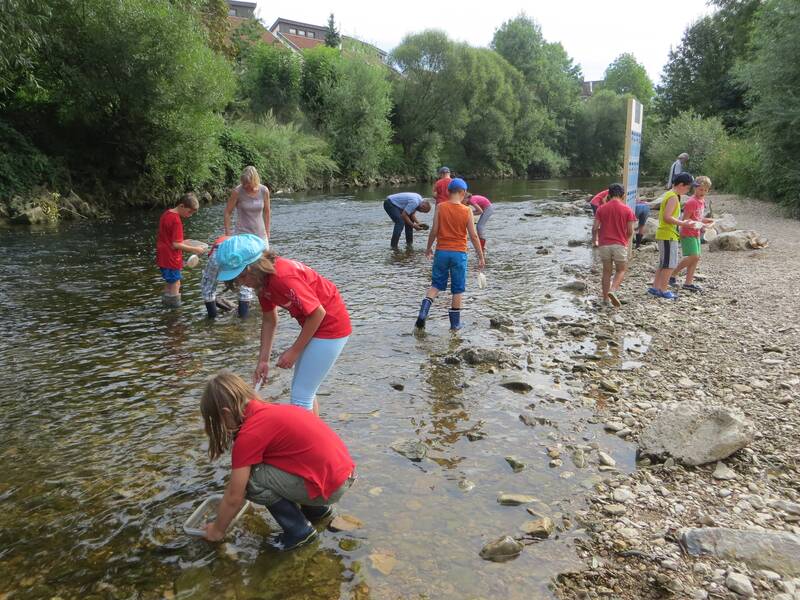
(633, 147)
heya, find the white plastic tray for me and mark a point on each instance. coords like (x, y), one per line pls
(195, 524)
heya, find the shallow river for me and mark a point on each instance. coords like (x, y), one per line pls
(102, 453)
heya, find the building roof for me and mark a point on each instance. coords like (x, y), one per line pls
(302, 42)
(266, 36)
(297, 23)
(242, 3)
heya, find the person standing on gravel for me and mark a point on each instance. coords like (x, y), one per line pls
(613, 228)
(678, 167)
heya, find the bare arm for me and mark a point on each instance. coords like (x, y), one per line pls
(269, 323)
(595, 232)
(188, 248)
(267, 211)
(231, 503)
(432, 234)
(631, 226)
(668, 209)
(310, 326)
(229, 211)
(477, 209)
(409, 219)
(476, 243)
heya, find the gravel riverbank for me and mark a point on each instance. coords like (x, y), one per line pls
(735, 346)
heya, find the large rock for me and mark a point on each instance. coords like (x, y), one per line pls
(738, 240)
(501, 549)
(777, 551)
(724, 223)
(486, 356)
(650, 229)
(696, 434)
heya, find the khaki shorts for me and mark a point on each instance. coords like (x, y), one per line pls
(615, 252)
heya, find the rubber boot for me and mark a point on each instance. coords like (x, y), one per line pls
(455, 319)
(424, 309)
(171, 301)
(316, 513)
(296, 528)
(211, 308)
(638, 240)
(244, 308)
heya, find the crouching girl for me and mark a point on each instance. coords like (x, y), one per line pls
(282, 456)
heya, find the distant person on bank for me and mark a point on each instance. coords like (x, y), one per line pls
(452, 223)
(693, 210)
(402, 209)
(250, 201)
(440, 193)
(597, 200)
(170, 247)
(667, 236)
(481, 206)
(678, 167)
(311, 299)
(282, 457)
(613, 229)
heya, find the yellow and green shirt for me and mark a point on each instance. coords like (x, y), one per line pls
(668, 231)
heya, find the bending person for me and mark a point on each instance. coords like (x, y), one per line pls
(310, 298)
(480, 206)
(251, 202)
(401, 208)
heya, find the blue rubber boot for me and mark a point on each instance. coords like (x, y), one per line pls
(424, 309)
(244, 308)
(316, 513)
(455, 319)
(211, 308)
(296, 528)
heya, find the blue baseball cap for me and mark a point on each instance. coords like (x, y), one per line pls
(234, 254)
(457, 184)
(443, 170)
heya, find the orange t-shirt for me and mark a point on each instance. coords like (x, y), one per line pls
(452, 233)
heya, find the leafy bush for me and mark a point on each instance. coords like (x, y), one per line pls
(22, 165)
(700, 138)
(283, 155)
(271, 80)
(598, 136)
(737, 167)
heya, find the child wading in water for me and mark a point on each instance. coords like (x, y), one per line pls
(170, 247)
(693, 210)
(480, 206)
(667, 235)
(310, 298)
(451, 225)
(282, 456)
(613, 228)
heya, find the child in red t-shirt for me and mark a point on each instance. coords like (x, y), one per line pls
(612, 230)
(281, 456)
(311, 299)
(169, 247)
(693, 210)
(440, 193)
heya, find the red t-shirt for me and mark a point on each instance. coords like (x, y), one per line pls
(301, 290)
(294, 440)
(598, 199)
(440, 190)
(693, 210)
(614, 217)
(170, 229)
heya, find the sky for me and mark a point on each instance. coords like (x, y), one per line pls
(593, 32)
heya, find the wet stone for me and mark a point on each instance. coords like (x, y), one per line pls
(614, 510)
(538, 528)
(413, 450)
(398, 386)
(345, 523)
(516, 385)
(515, 464)
(515, 499)
(501, 550)
(606, 459)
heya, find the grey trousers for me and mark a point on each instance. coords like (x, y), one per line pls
(268, 484)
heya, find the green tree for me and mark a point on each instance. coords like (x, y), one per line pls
(772, 77)
(332, 37)
(626, 76)
(598, 136)
(271, 80)
(701, 138)
(22, 33)
(321, 68)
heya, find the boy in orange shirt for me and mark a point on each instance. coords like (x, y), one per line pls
(451, 225)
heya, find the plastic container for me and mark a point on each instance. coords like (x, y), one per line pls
(481, 280)
(193, 261)
(196, 244)
(195, 524)
(710, 235)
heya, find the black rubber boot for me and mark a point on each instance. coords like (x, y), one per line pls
(244, 308)
(638, 240)
(316, 513)
(211, 307)
(296, 528)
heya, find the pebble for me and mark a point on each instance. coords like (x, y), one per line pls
(623, 495)
(515, 464)
(515, 499)
(539, 528)
(606, 459)
(614, 510)
(345, 523)
(736, 582)
(723, 473)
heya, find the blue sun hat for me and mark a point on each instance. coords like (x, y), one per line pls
(457, 185)
(234, 254)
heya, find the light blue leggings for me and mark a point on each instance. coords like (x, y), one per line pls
(312, 367)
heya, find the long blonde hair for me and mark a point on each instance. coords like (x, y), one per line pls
(250, 178)
(222, 406)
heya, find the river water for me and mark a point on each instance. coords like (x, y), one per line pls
(102, 453)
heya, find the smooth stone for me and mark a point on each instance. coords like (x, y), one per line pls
(538, 528)
(723, 473)
(736, 582)
(609, 386)
(606, 459)
(345, 523)
(792, 508)
(516, 385)
(501, 549)
(413, 450)
(614, 510)
(515, 499)
(623, 495)
(383, 563)
(515, 464)
(777, 551)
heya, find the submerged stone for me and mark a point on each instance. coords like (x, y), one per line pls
(413, 450)
(501, 550)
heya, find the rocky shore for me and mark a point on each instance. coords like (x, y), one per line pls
(713, 508)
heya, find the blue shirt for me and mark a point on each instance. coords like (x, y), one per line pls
(408, 202)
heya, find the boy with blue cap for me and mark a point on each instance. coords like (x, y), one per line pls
(451, 225)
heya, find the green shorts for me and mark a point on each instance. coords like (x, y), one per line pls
(690, 246)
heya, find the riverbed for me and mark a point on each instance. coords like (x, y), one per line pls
(103, 452)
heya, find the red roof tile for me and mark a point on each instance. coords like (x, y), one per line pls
(303, 42)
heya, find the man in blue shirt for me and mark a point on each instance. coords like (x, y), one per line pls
(678, 167)
(401, 209)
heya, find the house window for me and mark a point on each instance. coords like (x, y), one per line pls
(231, 12)
(310, 34)
(293, 31)
(301, 32)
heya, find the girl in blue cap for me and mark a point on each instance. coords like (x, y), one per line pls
(311, 299)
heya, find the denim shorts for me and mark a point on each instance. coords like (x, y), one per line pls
(642, 211)
(170, 275)
(453, 265)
